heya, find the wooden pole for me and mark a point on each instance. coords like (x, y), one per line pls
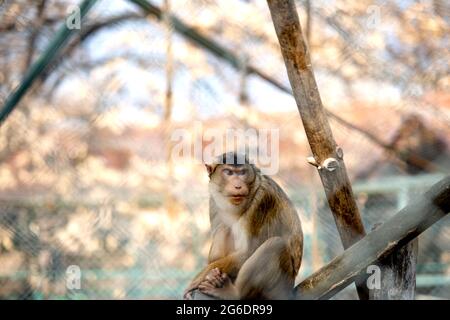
(396, 275)
(379, 244)
(327, 156)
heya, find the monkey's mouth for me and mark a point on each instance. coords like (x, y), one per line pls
(236, 199)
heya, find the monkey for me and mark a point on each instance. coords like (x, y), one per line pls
(257, 238)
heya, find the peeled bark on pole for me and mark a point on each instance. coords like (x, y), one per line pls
(391, 236)
(328, 157)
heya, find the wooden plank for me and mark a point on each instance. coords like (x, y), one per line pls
(328, 157)
(380, 243)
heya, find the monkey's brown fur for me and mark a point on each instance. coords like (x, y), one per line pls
(257, 244)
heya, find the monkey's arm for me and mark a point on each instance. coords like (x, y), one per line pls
(221, 245)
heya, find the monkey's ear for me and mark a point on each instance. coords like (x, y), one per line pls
(209, 169)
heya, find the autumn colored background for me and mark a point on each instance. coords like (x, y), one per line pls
(86, 176)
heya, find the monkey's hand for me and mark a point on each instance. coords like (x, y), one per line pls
(218, 285)
(229, 264)
(213, 278)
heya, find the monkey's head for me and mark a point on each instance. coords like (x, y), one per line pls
(232, 178)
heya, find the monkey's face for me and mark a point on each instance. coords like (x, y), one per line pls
(233, 182)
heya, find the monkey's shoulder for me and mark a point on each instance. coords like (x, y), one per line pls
(271, 202)
(273, 208)
(272, 189)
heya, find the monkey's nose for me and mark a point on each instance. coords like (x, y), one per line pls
(238, 187)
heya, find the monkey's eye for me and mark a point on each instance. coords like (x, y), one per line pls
(227, 172)
(242, 172)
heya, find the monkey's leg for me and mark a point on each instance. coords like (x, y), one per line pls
(269, 273)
